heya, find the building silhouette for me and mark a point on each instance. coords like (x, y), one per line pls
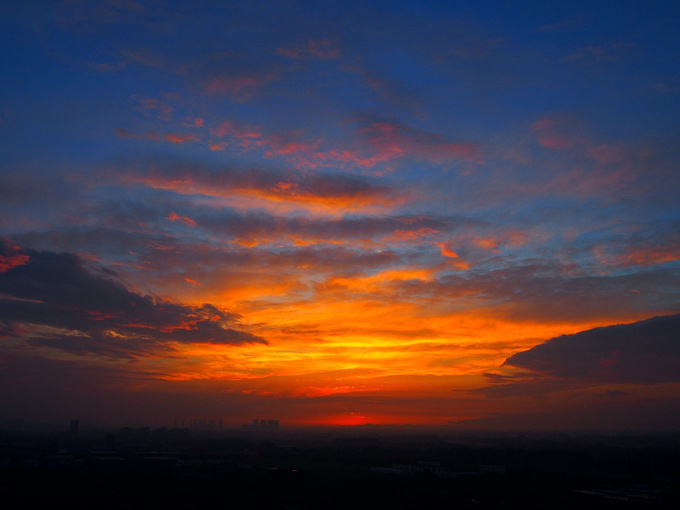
(262, 425)
(73, 428)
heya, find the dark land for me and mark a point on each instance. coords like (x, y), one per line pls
(353, 468)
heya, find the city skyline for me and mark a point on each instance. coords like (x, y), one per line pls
(341, 213)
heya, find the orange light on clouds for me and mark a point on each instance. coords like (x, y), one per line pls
(182, 219)
(284, 197)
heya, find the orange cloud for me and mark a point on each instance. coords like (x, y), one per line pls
(333, 194)
(227, 128)
(289, 144)
(640, 255)
(372, 282)
(355, 157)
(393, 140)
(182, 219)
(218, 146)
(375, 143)
(11, 256)
(652, 256)
(177, 138)
(454, 258)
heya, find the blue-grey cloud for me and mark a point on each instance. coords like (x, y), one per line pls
(55, 299)
(642, 352)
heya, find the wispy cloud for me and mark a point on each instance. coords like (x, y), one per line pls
(323, 49)
(258, 186)
(556, 133)
(393, 140)
(152, 106)
(180, 138)
(182, 219)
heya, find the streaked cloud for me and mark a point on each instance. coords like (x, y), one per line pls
(180, 138)
(323, 49)
(392, 140)
(328, 192)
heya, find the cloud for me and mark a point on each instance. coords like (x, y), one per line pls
(54, 299)
(322, 49)
(656, 244)
(290, 144)
(394, 140)
(355, 232)
(557, 133)
(373, 144)
(236, 75)
(243, 137)
(177, 138)
(126, 133)
(643, 352)
(180, 138)
(253, 187)
(182, 219)
(151, 106)
(11, 256)
(543, 293)
(233, 85)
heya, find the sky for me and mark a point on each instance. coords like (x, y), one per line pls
(451, 214)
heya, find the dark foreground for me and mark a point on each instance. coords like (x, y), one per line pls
(305, 471)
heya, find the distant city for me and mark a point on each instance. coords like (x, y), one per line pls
(270, 425)
(203, 463)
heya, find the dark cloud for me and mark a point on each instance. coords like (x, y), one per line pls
(642, 352)
(55, 299)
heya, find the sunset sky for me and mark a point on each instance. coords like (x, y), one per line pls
(341, 213)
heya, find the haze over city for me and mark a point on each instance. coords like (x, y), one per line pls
(458, 215)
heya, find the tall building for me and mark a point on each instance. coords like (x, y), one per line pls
(262, 425)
